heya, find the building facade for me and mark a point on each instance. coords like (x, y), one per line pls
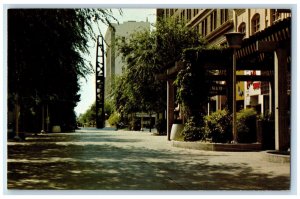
(251, 21)
(212, 24)
(263, 62)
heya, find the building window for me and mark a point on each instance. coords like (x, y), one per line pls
(213, 20)
(197, 28)
(204, 27)
(196, 12)
(275, 15)
(171, 12)
(182, 15)
(255, 23)
(167, 13)
(242, 27)
(224, 44)
(189, 14)
(224, 15)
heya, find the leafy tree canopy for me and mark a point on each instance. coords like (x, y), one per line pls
(45, 61)
(147, 54)
(88, 118)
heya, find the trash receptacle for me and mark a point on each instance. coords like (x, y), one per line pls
(176, 130)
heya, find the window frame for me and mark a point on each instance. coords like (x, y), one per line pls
(242, 27)
(255, 23)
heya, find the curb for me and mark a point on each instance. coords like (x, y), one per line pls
(277, 158)
(217, 146)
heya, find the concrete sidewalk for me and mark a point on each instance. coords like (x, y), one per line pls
(125, 160)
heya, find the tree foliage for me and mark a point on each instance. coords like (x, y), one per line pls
(45, 48)
(147, 54)
(172, 37)
(124, 99)
(218, 126)
(88, 118)
(192, 94)
(192, 86)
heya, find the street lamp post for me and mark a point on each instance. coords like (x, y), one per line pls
(234, 40)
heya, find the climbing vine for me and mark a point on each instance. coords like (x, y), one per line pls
(192, 94)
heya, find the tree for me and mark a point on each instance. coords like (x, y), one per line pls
(172, 37)
(45, 61)
(88, 118)
(147, 54)
(123, 96)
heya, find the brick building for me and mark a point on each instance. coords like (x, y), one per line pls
(261, 26)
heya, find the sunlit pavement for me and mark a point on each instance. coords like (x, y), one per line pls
(123, 160)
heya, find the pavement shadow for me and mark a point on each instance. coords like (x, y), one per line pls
(108, 166)
(86, 137)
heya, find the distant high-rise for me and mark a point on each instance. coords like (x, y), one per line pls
(114, 64)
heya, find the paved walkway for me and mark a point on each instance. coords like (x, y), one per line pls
(120, 160)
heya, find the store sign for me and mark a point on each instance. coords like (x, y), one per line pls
(256, 85)
(216, 89)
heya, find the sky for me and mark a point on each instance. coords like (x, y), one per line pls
(87, 90)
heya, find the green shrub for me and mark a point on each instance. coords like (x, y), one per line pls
(246, 126)
(114, 119)
(192, 131)
(218, 127)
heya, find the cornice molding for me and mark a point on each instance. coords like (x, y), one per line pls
(219, 31)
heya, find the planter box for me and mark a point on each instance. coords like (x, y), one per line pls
(272, 156)
(266, 134)
(217, 146)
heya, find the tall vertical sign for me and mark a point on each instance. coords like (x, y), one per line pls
(100, 115)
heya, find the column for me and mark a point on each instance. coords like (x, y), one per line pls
(282, 134)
